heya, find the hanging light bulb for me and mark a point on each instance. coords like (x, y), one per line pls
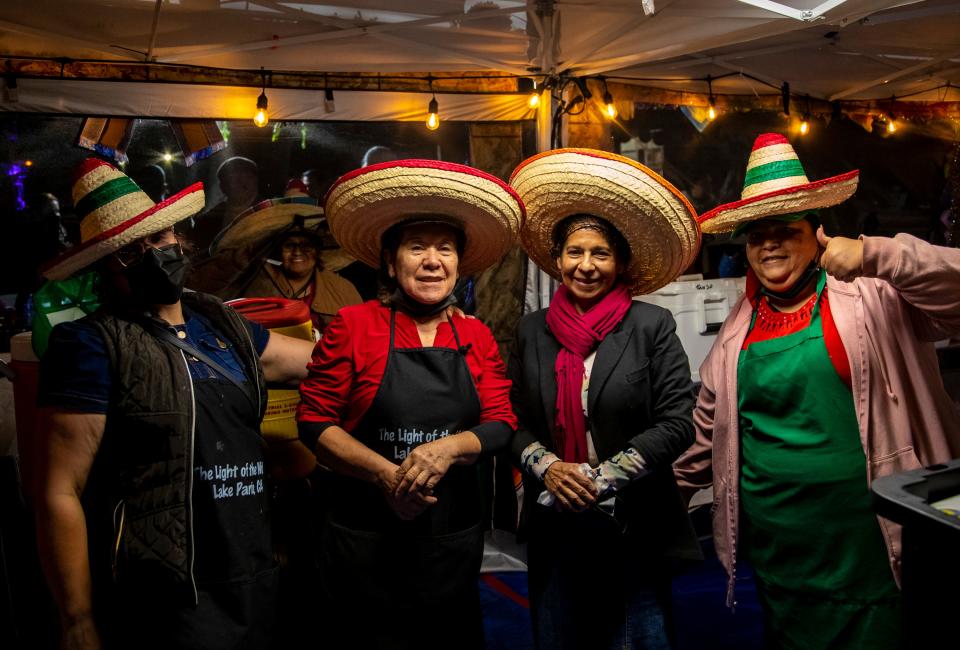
(609, 108)
(712, 110)
(533, 100)
(805, 124)
(260, 118)
(891, 125)
(433, 115)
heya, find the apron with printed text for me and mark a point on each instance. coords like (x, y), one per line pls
(409, 584)
(808, 528)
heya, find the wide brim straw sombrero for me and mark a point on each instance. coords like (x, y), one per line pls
(657, 221)
(115, 212)
(253, 232)
(364, 203)
(776, 184)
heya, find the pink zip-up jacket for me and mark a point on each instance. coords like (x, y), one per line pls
(907, 298)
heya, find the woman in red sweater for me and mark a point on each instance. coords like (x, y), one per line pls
(402, 398)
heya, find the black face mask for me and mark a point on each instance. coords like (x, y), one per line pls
(157, 279)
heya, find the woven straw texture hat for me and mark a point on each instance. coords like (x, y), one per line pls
(776, 184)
(657, 221)
(362, 204)
(258, 226)
(114, 212)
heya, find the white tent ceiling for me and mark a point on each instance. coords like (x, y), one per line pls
(857, 49)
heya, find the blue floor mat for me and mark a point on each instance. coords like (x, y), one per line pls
(701, 618)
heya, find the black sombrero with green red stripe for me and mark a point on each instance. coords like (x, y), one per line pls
(114, 212)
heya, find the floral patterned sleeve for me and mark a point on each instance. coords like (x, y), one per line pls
(536, 459)
(619, 470)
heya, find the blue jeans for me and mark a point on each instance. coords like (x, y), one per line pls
(587, 592)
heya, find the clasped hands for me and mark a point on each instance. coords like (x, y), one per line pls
(573, 490)
(409, 491)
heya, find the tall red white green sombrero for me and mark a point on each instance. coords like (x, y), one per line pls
(775, 184)
(114, 212)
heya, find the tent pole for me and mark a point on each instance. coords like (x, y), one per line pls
(153, 29)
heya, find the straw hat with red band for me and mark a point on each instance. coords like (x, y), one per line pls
(115, 212)
(364, 203)
(657, 221)
(294, 212)
(775, 184)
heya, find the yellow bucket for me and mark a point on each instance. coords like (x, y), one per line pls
(291, 318)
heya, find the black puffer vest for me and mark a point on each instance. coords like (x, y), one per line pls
(138, 495)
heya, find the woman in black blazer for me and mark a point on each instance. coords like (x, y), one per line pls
(602, 391)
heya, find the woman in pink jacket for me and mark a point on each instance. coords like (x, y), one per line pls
(822, 378)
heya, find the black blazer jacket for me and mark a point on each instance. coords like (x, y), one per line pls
(640, 395)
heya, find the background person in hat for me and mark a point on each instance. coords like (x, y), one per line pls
(152, 505)
(290, 230)
(823, 378)
(602, 392)
(402, 398)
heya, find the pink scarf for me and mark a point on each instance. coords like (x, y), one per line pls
(579, 334)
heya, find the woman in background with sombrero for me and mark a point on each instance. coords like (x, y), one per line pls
(290, 229)
(402, 398)
(823, 378)
(602, 392)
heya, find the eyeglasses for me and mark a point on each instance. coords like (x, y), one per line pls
(305, 247)
(133, 253)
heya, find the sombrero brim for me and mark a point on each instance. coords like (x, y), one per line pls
(255, 224)
(363, 204)
(809, 196)
(657, 221)
(163, 215)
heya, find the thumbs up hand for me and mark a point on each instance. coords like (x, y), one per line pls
(842, 257)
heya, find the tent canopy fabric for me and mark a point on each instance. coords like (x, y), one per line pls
(839, 49)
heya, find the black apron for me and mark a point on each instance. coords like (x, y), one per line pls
(409, 584)
(234, 567)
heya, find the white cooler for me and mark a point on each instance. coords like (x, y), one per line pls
(699, 307)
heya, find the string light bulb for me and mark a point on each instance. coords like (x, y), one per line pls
(433, 115)
(891, 125)
(711, 101)
(609, 108)
(805, 120)
(261, 117)
(433, 109)
(533, 100)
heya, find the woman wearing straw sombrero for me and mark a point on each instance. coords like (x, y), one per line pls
(823, 378)
(282, 242)
(402, 398)
(151, 499)
(602, 392)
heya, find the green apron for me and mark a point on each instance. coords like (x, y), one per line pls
(808, 530)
